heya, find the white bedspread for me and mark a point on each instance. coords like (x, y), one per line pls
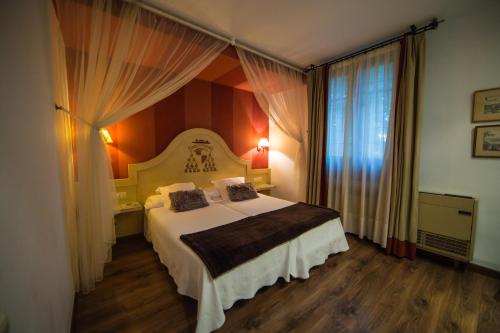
(291, 259)
(258, 206)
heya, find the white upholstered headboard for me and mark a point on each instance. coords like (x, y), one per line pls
(197, 155)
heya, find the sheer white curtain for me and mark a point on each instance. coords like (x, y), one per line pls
(120, 59)
(361, 99)
(281, 93)
(64, 133)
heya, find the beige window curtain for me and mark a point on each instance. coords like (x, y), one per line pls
(402, 232)
(361, 99)
(281, 93)
(120, 59)
(317, 123)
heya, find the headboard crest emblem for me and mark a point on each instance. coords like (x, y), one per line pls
(200, 157)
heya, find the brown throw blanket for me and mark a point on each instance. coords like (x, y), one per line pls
(228, 246)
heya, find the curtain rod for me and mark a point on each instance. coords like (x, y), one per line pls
(432, 25)
(214, 34)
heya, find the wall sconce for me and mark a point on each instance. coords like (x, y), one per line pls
(262, 145)
(106, 137)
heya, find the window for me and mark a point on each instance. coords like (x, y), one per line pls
(360, 100)
(360, 108)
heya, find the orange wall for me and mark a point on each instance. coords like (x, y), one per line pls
(232, 113)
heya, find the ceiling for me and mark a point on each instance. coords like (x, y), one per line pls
(305, 32)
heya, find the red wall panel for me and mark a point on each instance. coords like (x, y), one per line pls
(169, 120)
(232, 113)
(223, 112)
(135, 139)
(260, 124)
(197, 104)
(242, 124)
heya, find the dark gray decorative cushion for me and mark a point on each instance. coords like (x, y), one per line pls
(182, 201)
(240, 192)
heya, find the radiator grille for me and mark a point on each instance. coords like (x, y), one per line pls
(443, 243)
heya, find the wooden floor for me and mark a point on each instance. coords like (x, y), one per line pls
(362, 290)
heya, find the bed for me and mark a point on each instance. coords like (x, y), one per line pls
(293, 258)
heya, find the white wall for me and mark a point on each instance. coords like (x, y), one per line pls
(463, 55)
(36, 289)
(282, 161)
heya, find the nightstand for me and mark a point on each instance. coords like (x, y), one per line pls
(264, 188)
(129, 219)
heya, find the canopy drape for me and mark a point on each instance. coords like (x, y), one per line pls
(64, 135)
(120, 59)
(281, 93)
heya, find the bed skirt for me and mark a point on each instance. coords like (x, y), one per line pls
(291, 259)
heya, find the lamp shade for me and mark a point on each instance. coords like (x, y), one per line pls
(263, 143)
(106, 136)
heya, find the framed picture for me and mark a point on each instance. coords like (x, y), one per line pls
(487, 141)
(486, 105)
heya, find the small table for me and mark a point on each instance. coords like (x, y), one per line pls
(126, 207)
(128, 219)
(264, 188)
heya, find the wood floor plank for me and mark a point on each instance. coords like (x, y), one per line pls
(489, 314)
(361, 290)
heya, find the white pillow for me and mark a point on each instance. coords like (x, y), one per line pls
(221, 185)
(154, 201)
(175, 187)
(165, 190)
(212, 194)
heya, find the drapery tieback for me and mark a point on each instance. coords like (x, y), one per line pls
(63, 109)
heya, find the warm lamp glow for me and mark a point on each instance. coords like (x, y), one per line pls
(263, 144)
(106, 136)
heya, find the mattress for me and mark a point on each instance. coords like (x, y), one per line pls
(290, 259)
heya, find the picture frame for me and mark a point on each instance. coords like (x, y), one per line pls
(486, 106)
(486, 141)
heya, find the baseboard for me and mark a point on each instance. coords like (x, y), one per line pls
(130, 237)
(459, 265)
(484, 270)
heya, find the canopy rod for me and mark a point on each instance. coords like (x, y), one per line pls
(212, 33)
(433, 24)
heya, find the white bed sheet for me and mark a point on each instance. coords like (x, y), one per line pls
(262, 204)
(290, 259)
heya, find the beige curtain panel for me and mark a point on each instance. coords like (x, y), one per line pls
(282, 94)
(317, 124)
(361, 104)
(119, 59)
(402, 231)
